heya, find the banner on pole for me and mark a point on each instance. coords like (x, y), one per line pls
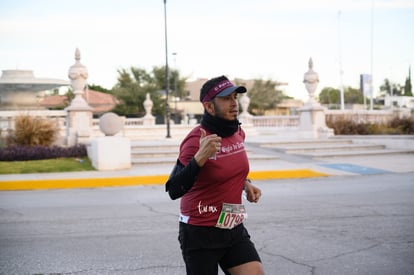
(366, 84)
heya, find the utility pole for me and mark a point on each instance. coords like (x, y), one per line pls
(341, 72)
(372, 57)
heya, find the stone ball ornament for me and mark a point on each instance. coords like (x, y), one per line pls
(110, 124)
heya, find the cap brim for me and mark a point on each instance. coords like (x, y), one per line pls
(229, 90)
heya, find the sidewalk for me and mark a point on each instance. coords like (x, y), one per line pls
(280, 166)
(138, 175)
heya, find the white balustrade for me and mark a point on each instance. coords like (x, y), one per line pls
(275, 121)
(134, 127)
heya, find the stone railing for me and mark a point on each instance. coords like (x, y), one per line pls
(128, 122)
(7, 118)
(275, 121)
(138, 128)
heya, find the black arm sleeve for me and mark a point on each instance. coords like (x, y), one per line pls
(181, 179)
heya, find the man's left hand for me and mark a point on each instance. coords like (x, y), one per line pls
(253, 193)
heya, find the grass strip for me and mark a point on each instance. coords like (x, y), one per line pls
(46, 166)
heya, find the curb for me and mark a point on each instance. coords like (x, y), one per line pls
(15, 185)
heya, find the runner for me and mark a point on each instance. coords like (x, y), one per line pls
(209, 177)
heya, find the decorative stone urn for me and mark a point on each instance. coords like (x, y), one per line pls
(311, 80)
(149, 119)
(312, 123)
(148, 105)
(79, 112)
(245, 117)
(78, 75)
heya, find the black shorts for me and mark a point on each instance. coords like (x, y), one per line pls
(204, 248)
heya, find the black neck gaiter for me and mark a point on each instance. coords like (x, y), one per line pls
(219, 126)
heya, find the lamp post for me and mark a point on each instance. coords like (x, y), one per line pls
(167, 78)
(175, 87)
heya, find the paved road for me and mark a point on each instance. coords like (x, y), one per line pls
(335, 225)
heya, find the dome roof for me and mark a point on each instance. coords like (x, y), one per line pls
(24, 80)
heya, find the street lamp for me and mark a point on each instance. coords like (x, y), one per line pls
(175, 87)
(167, 78)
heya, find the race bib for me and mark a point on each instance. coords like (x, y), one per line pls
(231, 215)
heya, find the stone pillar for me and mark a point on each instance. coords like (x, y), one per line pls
(79, 119)
(110, 152)
(312, 121)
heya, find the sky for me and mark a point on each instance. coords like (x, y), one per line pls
(266, 39)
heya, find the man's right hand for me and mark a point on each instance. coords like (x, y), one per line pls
(209, 146)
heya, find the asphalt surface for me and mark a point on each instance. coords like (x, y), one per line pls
(361, 224)
(337, 215)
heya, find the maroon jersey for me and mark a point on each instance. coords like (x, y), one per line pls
(220, 180)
